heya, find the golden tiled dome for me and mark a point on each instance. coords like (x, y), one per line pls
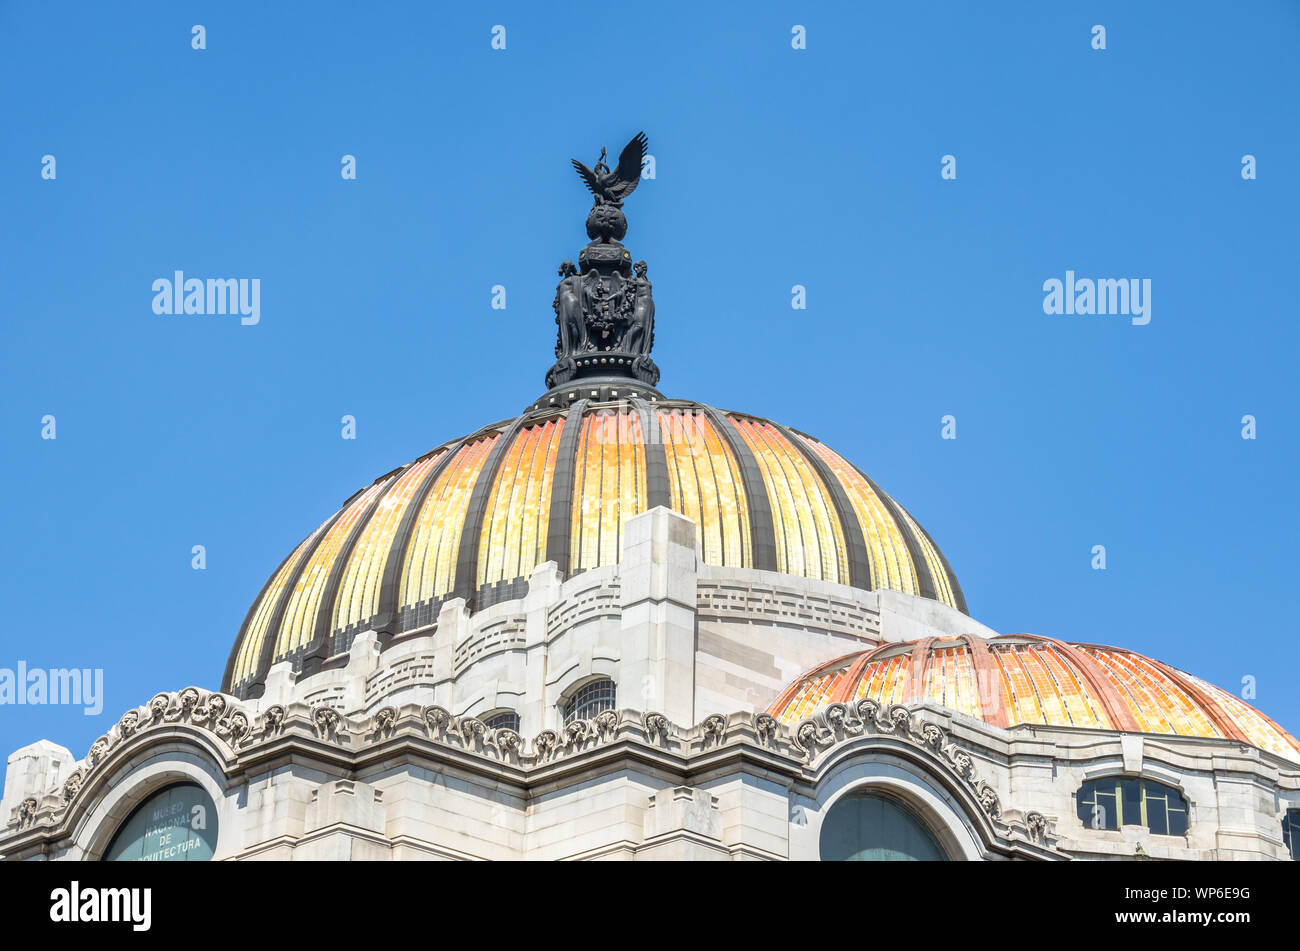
(1021, 678)
(473, 518)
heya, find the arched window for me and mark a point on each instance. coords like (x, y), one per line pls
(1291, 832)
(176, 824)
(593, 697)
(503, 720)
(1114, 801)
(864, 827)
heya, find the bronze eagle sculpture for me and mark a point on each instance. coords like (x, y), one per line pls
(612, 187)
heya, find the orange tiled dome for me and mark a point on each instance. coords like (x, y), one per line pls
(473, 518)
(1021, 678)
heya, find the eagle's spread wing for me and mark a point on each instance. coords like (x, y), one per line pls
(589, 177)
(628, 174)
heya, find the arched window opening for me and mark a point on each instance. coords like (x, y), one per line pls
(865, 827)
(1114, 801)
(176, 824)
(593, 697)
(502, 720)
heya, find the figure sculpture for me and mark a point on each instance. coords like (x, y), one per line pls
(604, 311)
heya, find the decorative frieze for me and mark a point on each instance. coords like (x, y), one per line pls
(800, 747)
(839, 722)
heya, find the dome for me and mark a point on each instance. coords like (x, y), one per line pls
(474, 517)
(1025, 679)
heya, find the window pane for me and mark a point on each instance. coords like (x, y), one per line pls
(591, 698)
(178, 824)
(506, 720)
(1107, 810)
(1131, 808)
(867, 828)
(1177, 822)
(1157, 821)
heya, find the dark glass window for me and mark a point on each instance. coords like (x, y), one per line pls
(1114, 801)
(1291, 832)
(863, 827)
(591, 698)
(176, 824)
(505, 720)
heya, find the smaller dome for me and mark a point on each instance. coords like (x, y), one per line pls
(1023, 678)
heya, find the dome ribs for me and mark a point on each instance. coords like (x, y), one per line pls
(465, 585)
(1218, 716)
(561, 518)
(1121, 718)
(959, 599)
(657, 490)
(921, 657)
(855, 541)
(226, 685)
(263, 664)
(988, 681)
(762, 530)
(924, 578)
(386, 621)
(317, 649)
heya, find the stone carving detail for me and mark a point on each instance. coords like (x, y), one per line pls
(98, 750)
(234, 728)
(546, 743)
(473, 731)
(606, 723)
(158, 707)
(27, 813)
(988, 799)
(715, 730)
(575, 733)
(1036, 824)
(272, 720)
(766, 726)
(604, 308)
(383, 720)
(657, 728)
(71, 786)
(183, 706)
(837, 721)
(191, 705)
(212, 710)
(326, 720)
(438, 720)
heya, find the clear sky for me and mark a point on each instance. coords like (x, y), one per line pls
(775, 167)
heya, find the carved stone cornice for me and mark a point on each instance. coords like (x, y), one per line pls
(836, 723)
(797, 750)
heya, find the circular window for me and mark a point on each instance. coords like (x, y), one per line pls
(176, 824)
(863, 827)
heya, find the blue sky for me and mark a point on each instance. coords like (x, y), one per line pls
(775, 167)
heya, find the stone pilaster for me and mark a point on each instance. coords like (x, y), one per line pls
(658, 577)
